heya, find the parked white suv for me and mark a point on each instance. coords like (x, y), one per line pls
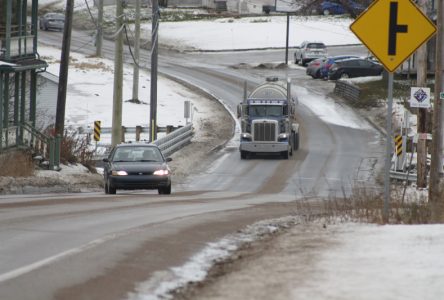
(309, 51)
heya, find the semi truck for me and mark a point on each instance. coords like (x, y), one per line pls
(267, 120)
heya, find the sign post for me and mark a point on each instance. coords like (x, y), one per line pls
(287, 7)
(392, 30)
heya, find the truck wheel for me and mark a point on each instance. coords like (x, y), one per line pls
(295, 137)
(243, 154)
(285, 154)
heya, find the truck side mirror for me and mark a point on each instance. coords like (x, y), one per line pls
(239, 110)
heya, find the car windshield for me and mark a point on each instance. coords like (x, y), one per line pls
(56, 16)
(137, 153)
(316, 46)
(265, 110)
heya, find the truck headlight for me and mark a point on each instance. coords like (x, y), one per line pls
(282, 137)
(246, 137)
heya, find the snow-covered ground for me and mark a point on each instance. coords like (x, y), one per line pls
(362, 261)
(312, 261)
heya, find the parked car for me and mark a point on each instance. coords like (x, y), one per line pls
(330, 61)
(354, 67)
(309, 51)
(314, 67)
(136, 166)
(337, 8)
(268, 8)
(52, 21)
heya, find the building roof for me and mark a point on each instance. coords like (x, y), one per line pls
(22, 65)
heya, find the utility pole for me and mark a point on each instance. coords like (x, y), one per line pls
(421, 81)
(99, 36)
(154, 48)
(287, 39)
(136, 53)
(436, 194)
(116, 134)
(63, 73)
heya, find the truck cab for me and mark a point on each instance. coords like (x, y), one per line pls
(266, 118)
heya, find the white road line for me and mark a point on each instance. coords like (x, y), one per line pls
(26, 269)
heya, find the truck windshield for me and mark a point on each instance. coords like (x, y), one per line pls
(265, 111)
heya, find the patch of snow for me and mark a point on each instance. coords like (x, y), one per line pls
(257, 32)
(330, 111)
(379, 262)
(90, 94)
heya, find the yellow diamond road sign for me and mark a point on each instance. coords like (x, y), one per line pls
(392, 30)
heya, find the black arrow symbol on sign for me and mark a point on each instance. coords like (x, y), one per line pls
(394, 28)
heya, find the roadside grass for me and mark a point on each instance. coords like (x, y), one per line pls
(365, 205)
(75, 149)
(16, 164)
(374, 93)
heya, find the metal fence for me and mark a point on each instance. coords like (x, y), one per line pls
(168, 144)
(347, 90)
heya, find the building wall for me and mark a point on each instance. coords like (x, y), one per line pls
(240, 6)
(47, 85)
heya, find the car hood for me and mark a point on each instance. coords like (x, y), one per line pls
(145, 167)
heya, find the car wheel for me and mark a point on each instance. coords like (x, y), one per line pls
(326, 12)
(110, 188)
(106, 188)
(318, 74)
(164, 190)
(345, 75)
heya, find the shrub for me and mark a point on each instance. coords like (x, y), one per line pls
(16, 164)
(75, 149)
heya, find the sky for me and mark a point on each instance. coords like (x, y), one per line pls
(411, 254)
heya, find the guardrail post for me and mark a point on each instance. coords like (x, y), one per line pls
(51, 153)
(138, 131)
(58, 142)
(122, 140)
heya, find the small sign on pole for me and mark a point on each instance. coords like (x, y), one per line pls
(97, 130)
(287, 6)
(420, 97)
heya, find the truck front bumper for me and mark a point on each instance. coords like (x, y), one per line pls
(257, 147)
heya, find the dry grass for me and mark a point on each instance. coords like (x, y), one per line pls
(367, 206)
(74, 149)
(16, 164)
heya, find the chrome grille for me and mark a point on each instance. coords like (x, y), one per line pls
(264, 131)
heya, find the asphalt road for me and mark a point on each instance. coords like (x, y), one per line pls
(94, 246)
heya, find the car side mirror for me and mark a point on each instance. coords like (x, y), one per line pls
(168, 159)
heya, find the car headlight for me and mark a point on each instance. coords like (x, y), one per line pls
(246, 137)
(282, 137)
(119, 173)
(161, 172)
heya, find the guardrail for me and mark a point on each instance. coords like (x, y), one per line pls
(168, 144)
(175, 140)
(47, 146)
(397, 175)
(347, 90)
